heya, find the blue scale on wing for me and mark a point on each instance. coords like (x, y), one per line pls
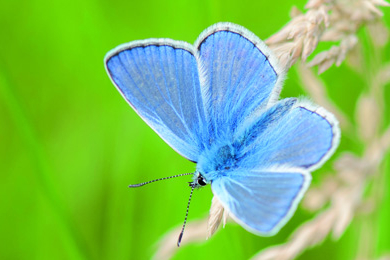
(249, 132)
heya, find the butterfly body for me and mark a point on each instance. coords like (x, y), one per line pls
(216, 104)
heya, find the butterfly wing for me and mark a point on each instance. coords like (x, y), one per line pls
(238, 75)
(262, 201)
(291, 133)
(159, 79)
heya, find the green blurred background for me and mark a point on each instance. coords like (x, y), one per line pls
(70, 144)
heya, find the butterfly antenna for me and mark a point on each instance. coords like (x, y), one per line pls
(165, 178)
(185, 219)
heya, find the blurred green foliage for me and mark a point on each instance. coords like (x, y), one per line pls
(70, 144)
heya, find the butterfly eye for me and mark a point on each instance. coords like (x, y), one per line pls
(202, 181)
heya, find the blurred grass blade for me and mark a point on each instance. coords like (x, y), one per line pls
(26, 132)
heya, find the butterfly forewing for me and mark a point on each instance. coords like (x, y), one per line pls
(160, 80)
(237, 75)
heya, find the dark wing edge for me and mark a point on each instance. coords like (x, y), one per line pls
(333, 122)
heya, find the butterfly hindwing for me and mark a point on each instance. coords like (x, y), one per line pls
(262, 201)
(159, 78)
(291, 133)
(273, 158)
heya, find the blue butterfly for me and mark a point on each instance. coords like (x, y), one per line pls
(216, 103)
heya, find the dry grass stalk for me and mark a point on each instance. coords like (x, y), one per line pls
(369, 116)
(300, 36)
(379, 33)
(195, 232)
(217, 214)
(336, 54)
(385, 257)
(384, 74)
(317, 91)
(325, 20)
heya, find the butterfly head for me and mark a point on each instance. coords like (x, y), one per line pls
(198, 181)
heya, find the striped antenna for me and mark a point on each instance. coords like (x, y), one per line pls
(185, 219)
(165, 178)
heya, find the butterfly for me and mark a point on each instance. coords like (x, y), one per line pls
(217, 104)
